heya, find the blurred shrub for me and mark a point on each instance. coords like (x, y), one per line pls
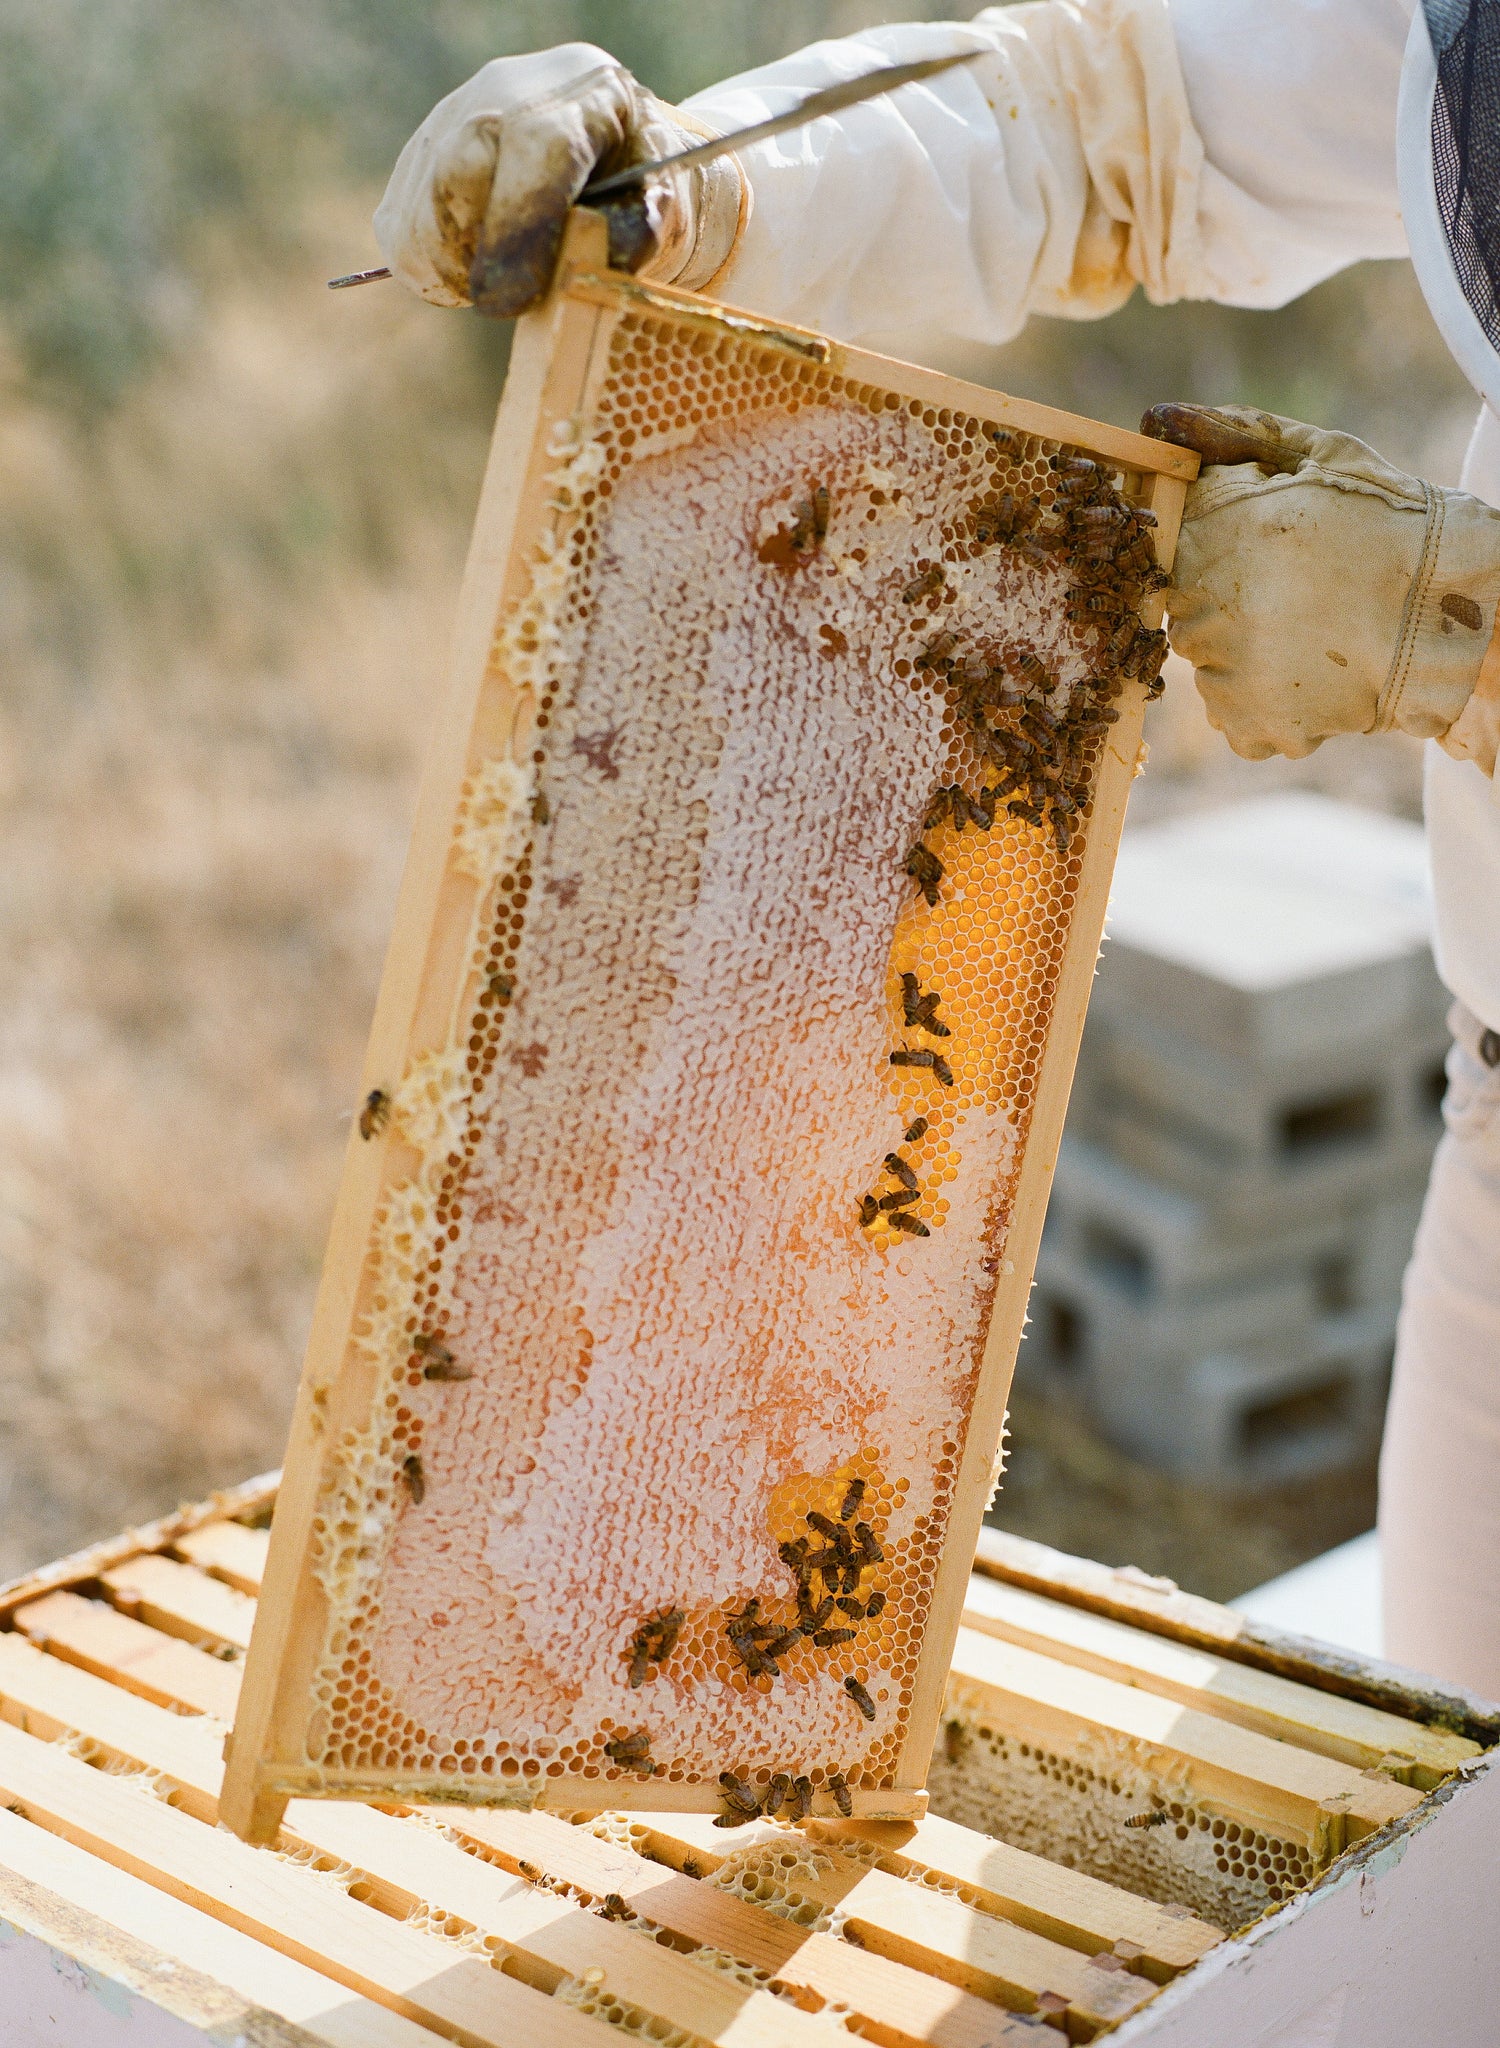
(129, 129)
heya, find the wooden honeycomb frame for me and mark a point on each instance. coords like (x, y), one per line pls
(466, 832)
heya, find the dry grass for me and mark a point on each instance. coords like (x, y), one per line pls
(213, 720)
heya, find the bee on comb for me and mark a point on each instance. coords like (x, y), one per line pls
(375, 1114)
(924, 1056)
(920, 1011)
(926, 870)
(860, 1698)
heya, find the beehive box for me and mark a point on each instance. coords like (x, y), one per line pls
(1346, 1812)
(683, 1245)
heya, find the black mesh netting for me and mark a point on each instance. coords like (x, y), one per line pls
(1466, 146)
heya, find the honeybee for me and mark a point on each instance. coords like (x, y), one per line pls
(982, 808)
(802, 1798)
(860, 1698)
(376, 1113)
(930, 581)
(926, 870)
(840, 1791)
(955, 1741)
(738, 1796)
(856, 1490)
(811, 1618)
(917, 1131)
(633, 1751)
(937, 654)
(869, 1210)
(921, 1011)
(780, 1645)
(1008, 441)
(415, 1477)
(440, 1362)
(541, 810)
(1157, 1818)
(776, 1795)
(902, 1199)
(613, 1907)
(653, 1642)
(994, 520)
(850, 1606)
(830, 1638)
(869, 1548)
(897, 1167)
(923, 1056)
(446, 1369)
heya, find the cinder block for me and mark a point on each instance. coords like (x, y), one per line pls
(1252, 1126)
(1151, 1239)
(1362, 1095)
(1274, 1402)
(1272, 931)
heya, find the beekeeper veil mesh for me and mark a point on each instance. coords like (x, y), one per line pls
(1449, 164)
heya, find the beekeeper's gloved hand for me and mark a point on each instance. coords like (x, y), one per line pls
(1323, 591)
(475, 208)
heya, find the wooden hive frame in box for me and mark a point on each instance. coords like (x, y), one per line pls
(819, 678)
(126, 1914)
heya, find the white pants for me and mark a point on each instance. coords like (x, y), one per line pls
(1440, 1468)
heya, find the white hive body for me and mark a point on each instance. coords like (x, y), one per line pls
(671, 1260)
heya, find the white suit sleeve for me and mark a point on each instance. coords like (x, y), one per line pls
(1237, 150)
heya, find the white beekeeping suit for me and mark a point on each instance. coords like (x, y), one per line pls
(1234, 150)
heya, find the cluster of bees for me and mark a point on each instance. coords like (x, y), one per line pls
(828, 1579)
(894, 1207)
(1037, 738)
(1039, 748)
(742, 1803)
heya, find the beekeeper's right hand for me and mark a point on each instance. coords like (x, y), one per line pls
(475, 208)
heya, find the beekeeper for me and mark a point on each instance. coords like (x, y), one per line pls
(1236, 150)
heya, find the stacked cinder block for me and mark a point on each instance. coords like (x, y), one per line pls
(1253, 1119)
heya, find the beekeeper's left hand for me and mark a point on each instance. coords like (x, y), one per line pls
(1320, 590)
(476, 205)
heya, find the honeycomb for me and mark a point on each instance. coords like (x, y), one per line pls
(1085, 1811)
(674, 1313)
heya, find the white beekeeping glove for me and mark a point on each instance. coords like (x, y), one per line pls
(475, 208)
(1319, 590)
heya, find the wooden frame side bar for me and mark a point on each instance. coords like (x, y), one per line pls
(1121, 764)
